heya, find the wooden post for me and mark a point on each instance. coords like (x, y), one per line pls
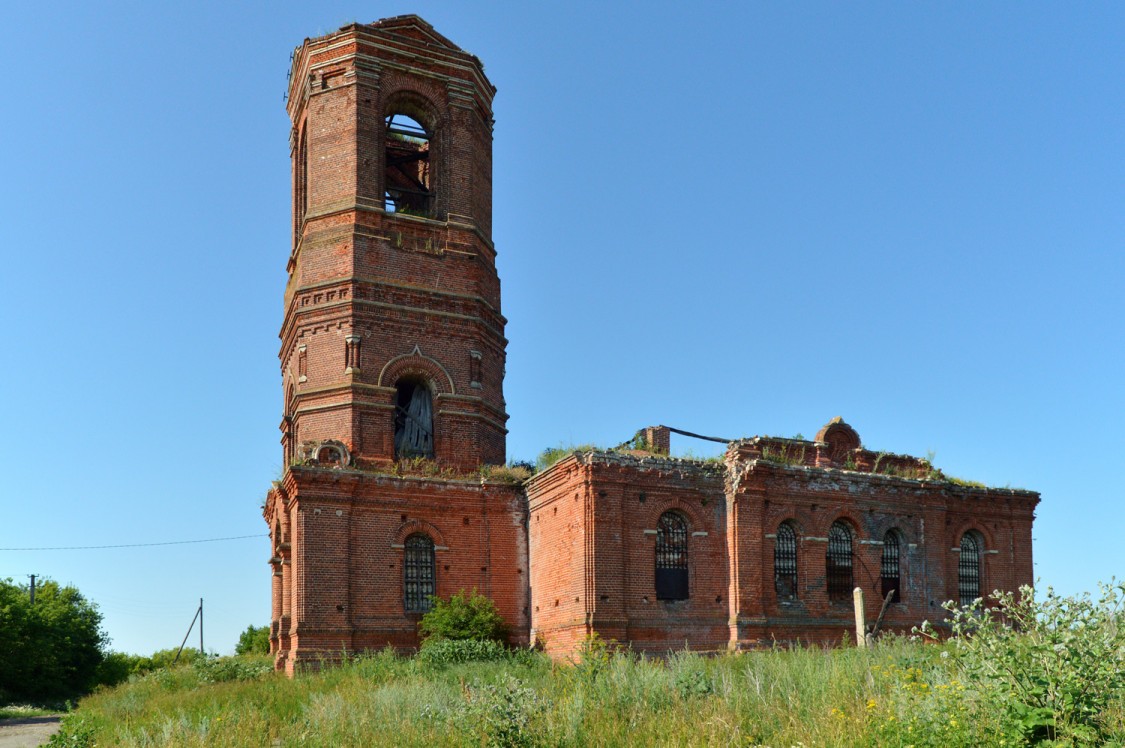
(860, 623)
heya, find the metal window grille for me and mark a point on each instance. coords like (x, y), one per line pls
(785, 563)
(839, 562)
(671, 557)
(968, 570)
(889, 567)
(418, 571)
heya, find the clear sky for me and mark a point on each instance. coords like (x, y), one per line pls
(734, 219)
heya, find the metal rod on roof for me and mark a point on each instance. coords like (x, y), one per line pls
(697, 436)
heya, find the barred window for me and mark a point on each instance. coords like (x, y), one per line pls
(418, 573)
(671, 557)
(968, 569)
(890, 571)
(839, 561)
(785, 562)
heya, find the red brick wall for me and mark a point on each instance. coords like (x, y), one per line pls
(347, 547)
(592, 542)
(419, 295)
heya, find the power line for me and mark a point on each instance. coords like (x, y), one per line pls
(132, 545)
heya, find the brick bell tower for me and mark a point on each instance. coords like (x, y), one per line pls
(392, 350)
(393, 342)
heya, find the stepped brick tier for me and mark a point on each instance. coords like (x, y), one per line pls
(394, 427)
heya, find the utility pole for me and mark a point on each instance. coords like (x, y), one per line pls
(199, 615)
(32, 588)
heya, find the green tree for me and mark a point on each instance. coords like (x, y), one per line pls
(254, 640)
(464, 616)
(52, 650)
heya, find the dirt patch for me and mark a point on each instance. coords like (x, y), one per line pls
(28, 732)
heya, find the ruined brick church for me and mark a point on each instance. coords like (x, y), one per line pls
(392, 360)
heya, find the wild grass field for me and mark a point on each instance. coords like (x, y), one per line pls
(1046, 673)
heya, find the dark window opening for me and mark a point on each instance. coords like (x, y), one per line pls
(890, 571)
(419, 585)
(671, 557)
(301, 191)
(839, 562)
(968, 569)
(785, 563)
(407, 178)
(414, 420)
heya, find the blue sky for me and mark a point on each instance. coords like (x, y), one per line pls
(734, 219)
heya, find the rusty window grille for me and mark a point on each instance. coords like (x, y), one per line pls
(418, 573)
(890, 570)
(671, 557)
(839, 562)
(968, 569)
(785, 563)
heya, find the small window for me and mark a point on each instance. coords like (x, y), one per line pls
(968, 569)
(890, 570)
(671, 557)
(839, 562)
(419, 585)
(785, 562)
(414, 420)
(407, 185)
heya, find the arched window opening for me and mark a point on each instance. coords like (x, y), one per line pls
(785, 562)
(968, 569)
(300, 187)
(290, 427)
(419, 584)
(839, 562)
(414, 420)
(890, 570)
(671, 557)
(407, 177)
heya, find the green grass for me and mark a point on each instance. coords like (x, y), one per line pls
(900, 693)
(19, 711)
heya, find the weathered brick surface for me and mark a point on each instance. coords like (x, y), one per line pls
(592, 520)
(419, 296)
(375, 297)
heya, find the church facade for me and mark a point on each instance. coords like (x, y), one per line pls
(393, 430)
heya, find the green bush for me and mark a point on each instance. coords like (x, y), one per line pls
(254, 640)
(456, 651)
(499, 715)
(1054, 667)
(223, 669)
(464, 616)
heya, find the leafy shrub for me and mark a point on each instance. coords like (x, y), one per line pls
(254, 640)
(1053, 667)
(464, 616)
(456, 651)
(74, 732)
(222, 669)
(499, 715)
(689, 674)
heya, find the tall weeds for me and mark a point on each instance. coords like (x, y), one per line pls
(899, 693)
